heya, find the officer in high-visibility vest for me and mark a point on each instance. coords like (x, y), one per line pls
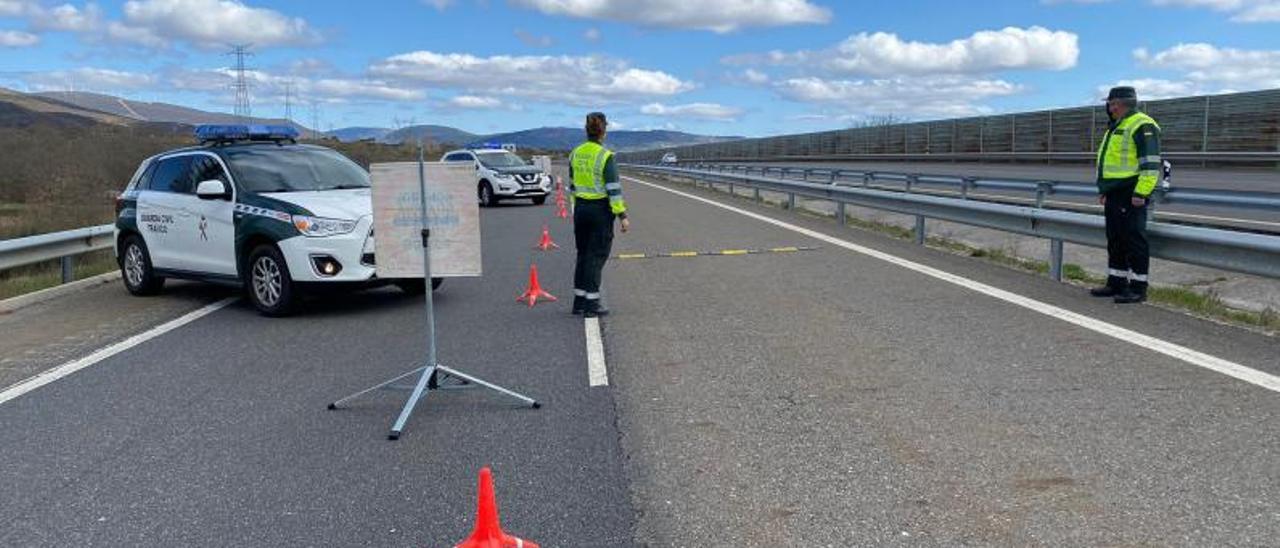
(1128, 169)
(597, 198)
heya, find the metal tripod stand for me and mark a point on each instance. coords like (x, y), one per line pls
(432, 376)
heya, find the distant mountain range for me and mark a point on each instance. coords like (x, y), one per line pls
(119, 111)
(548, 138)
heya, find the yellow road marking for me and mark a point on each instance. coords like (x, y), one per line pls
(684, 254)
(632, 256)
(734, 252)
(784, 249)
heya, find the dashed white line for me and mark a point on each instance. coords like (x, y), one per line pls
(1193, 357)
(597, 373)
(65, 369)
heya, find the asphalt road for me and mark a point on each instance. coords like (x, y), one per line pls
(1255, 180)
(784, 399)
(216, 434)
(826, 398)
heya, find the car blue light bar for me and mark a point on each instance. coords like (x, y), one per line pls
(492, 146)
(238, 132)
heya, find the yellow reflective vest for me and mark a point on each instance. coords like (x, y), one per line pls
(588, 161)
(1119, 159)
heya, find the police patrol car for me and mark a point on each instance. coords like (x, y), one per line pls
(249, 207)
(500, 175)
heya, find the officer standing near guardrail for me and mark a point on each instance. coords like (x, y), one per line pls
(1128, 169)
(597, 198)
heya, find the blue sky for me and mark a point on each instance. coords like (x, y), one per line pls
(728, 67)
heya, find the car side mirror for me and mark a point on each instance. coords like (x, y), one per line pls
(213, 189)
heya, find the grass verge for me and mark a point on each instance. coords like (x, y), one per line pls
(29, 279)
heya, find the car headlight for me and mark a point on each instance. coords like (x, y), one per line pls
(500, 175)
(319, 226)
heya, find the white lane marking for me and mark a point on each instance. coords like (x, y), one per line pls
(1193, 357)
(65, 369)
(597, 374)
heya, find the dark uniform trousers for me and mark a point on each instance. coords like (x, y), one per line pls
(593, 233)
(1127, 252)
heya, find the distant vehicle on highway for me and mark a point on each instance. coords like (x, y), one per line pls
(502, 175)
(249, 207)
(669, 158)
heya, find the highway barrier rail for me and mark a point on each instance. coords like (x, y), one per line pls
(1041, 188)
(1246, 252)
(61, 246)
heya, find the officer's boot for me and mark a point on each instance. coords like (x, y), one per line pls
(1135, 293)
(579, 304)
(1115, 286)
(595, 309)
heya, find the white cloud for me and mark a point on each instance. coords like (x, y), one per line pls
(208, 24)
(696, 111)
(17, 39)
(67, 17)
(329, 90)
(721, 16)
(1152, 89)
(534, 40)
(1211, 66)
(945, 96)
(885, 54)
(90, 79)
(754, 76)
(475, 102)
(440, 5)
(1242, 11)
(589, 80)
(18, 8)
(592, 35)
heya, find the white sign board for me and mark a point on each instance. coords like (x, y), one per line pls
(452, 215)
(544, 163)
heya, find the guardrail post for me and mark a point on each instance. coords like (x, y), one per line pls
(68, 269)
(1043, 188)
(920, 229)
(911, 181)
(867, 178)
(755, 194)
(965, 184)
(1055, 260)
(791, 201)
(841, 216)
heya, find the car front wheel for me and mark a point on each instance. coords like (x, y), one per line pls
(487, 199)
(270, 286)
(135, 268)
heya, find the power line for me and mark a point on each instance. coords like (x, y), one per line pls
(243, 109)
(288, 101)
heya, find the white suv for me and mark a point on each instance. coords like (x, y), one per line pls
(249, 208)
(501, 175)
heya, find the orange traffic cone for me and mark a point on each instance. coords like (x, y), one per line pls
(535, 290)
(488, 532)
(563, 211)
(545, 243)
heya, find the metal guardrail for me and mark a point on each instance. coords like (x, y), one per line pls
(1250, 253)
(1196, 157)
(63, 246)
(1042, 188)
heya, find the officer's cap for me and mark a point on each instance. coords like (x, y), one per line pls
(1122, 92)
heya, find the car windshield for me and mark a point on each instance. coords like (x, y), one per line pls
(294, 169)
(501, 159)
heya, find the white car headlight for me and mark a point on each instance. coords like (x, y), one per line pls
(501, 175)
(318, 227)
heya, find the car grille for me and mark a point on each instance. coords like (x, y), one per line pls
(527, 177)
